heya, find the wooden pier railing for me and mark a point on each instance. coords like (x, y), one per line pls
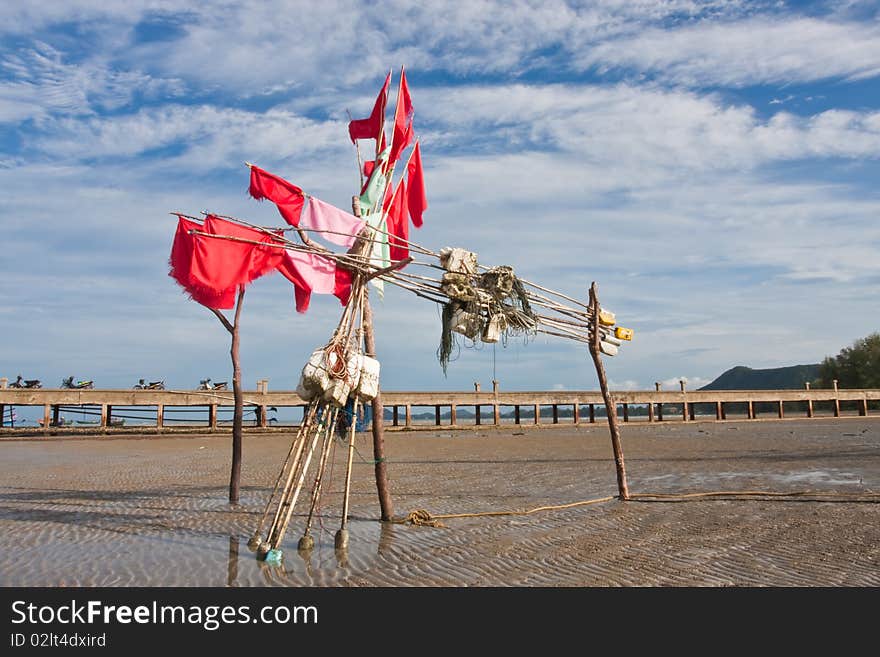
(411, 410)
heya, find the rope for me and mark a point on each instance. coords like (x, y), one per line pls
(423, 518)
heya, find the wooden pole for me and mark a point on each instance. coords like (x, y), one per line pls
(381, 470)
(610, 406)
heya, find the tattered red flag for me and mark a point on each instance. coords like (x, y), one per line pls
(180, 264)
(370, 127)
(398, 224)
(285, 195)
(416, 199)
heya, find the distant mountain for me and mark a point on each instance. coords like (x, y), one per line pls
(777, 378)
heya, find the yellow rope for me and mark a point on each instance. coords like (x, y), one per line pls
(424, 518)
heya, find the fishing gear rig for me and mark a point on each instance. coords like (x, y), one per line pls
(480, 304)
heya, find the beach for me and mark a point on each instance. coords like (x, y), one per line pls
(152, 510)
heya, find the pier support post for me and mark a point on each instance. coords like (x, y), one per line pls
(836, 400)
(537, 414)
(409, 416)
(453, 416)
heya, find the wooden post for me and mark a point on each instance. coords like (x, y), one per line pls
(555, 414)
(453, 417)
(719, 410)
(537, 414)
(809, 401)
(659, 405)
(160, 416)
(478, 413)
(381, 470)
(577, 413)
(394, 421)
(263, 416)
(650, 411)
(684, 405)
(56, 410)
(516, 414)
(723, 412)
(781, 410)
(46, 412)
(626, 412)
(592, 414)
(103, 415)
(496, 414)
(863, 408)
(212, 416)
(109, 415)
(437, 414)
(408, 416)
(836, 400)
(751, 410)
(610, 405)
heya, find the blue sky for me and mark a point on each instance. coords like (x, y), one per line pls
(711, 165)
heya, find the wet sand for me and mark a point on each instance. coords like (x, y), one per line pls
(152, 511)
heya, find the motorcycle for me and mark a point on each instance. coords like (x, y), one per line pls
(79, 385)
(25, 383)
(152, 385)
(205, 384)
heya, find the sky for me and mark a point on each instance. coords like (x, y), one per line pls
(712, 166)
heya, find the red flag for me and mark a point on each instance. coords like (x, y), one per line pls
(342, 289)
(402, 135)
(416, 198)
(398, 225)
(180, 269)
(370, 127)
(287, 196)
(301, 289)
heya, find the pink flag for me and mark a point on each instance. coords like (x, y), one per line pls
(343, 226)
(318, 272)
(416, 198)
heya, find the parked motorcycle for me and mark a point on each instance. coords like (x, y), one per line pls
(152, 385)
(78, 385)
(205, 384)
(25, 383)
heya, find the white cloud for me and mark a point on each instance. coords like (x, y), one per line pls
(747, 52)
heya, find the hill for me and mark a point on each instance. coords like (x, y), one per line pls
(778, 378)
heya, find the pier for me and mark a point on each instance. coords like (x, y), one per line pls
(417, 409)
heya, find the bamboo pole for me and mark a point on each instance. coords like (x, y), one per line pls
(610, 406)
(340, 541)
